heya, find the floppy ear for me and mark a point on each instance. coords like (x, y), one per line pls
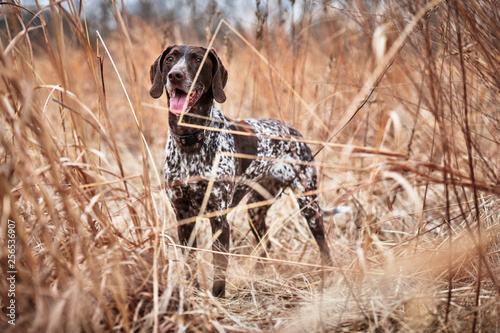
(219, 78)
(158, 80)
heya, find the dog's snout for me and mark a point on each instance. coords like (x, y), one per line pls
(175, 76)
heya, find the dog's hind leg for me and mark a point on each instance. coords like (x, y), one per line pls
(312, 212)
(258, 214)
(257, 217)
(310, 209)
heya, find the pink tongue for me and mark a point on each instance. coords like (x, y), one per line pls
(177, 102)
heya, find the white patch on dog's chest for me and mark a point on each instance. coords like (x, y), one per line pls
(193, 170)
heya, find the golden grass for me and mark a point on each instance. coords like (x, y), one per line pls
(409, 141)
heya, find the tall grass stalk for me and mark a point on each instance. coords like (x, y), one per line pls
(399, 101)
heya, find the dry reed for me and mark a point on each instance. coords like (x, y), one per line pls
(400, 101)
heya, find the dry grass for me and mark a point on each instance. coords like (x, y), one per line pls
(408, 139)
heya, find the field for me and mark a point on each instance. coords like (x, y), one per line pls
(400, 101)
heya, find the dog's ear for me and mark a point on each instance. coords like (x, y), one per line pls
(219, 77)
(158, 80)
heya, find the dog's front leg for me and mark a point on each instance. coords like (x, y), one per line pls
(187, 238)
(220, 230)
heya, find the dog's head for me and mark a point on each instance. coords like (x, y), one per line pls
(175, 70)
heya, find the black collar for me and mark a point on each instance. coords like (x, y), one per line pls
(191, 139)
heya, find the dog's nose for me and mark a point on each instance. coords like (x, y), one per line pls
(175, 76)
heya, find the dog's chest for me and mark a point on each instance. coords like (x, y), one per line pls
(187, 174)
(181, 166)
(214, 155)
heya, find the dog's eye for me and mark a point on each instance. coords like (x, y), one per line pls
(198, 59)
(170, 59)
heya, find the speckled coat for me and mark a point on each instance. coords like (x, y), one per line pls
(258, 157)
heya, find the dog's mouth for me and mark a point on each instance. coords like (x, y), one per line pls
(178, 100)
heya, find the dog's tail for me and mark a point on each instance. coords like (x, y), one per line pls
(336, 210)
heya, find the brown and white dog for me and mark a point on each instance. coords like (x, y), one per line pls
(257, 157)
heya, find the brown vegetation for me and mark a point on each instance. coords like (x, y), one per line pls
(401, 103)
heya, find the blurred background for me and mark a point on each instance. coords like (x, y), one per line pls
(398, 99)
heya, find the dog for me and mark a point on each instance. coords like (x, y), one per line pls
(258, 158)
